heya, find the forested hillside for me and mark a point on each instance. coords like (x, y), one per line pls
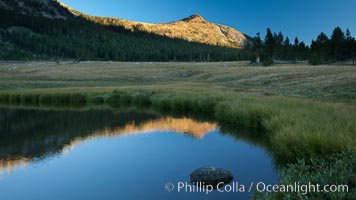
(33, 37)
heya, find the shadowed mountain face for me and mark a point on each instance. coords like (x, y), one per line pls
(193, 28)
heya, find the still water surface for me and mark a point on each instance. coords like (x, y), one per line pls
(105, 154)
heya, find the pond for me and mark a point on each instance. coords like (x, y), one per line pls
(111, 154)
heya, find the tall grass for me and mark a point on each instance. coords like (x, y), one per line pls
(296, 129)
(338, 169)
(44, 99)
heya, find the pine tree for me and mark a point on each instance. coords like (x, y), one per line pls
(287, 42)
(296, 42)
(349, 44)
(302, 51)
(296, 49)
(287, 49)
(257, 48)
(320, 50)
(279, 49)
(269, 43)
(348, 35)
(280, 38)
(353, 50)
(338, 45)
(269, 46)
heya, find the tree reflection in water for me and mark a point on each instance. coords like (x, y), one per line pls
(27, 135)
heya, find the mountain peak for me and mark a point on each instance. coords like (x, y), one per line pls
(194, 18)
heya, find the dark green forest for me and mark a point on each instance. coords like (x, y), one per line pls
(25, 37)
(338, 47)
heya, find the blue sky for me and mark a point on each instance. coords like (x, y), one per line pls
(302, 18)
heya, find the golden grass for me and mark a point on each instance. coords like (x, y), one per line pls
(326, 83)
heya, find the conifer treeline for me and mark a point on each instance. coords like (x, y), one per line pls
(338, 47)
(34, 37)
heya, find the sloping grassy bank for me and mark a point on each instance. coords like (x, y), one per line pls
(293, 130)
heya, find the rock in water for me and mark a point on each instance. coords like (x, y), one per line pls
(211, 176)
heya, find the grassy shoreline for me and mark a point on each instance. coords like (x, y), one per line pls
(295, 128)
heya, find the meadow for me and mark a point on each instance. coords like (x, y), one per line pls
(301, 112)
(324, 83)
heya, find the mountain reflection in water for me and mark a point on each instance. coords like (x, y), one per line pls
(27, 135)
